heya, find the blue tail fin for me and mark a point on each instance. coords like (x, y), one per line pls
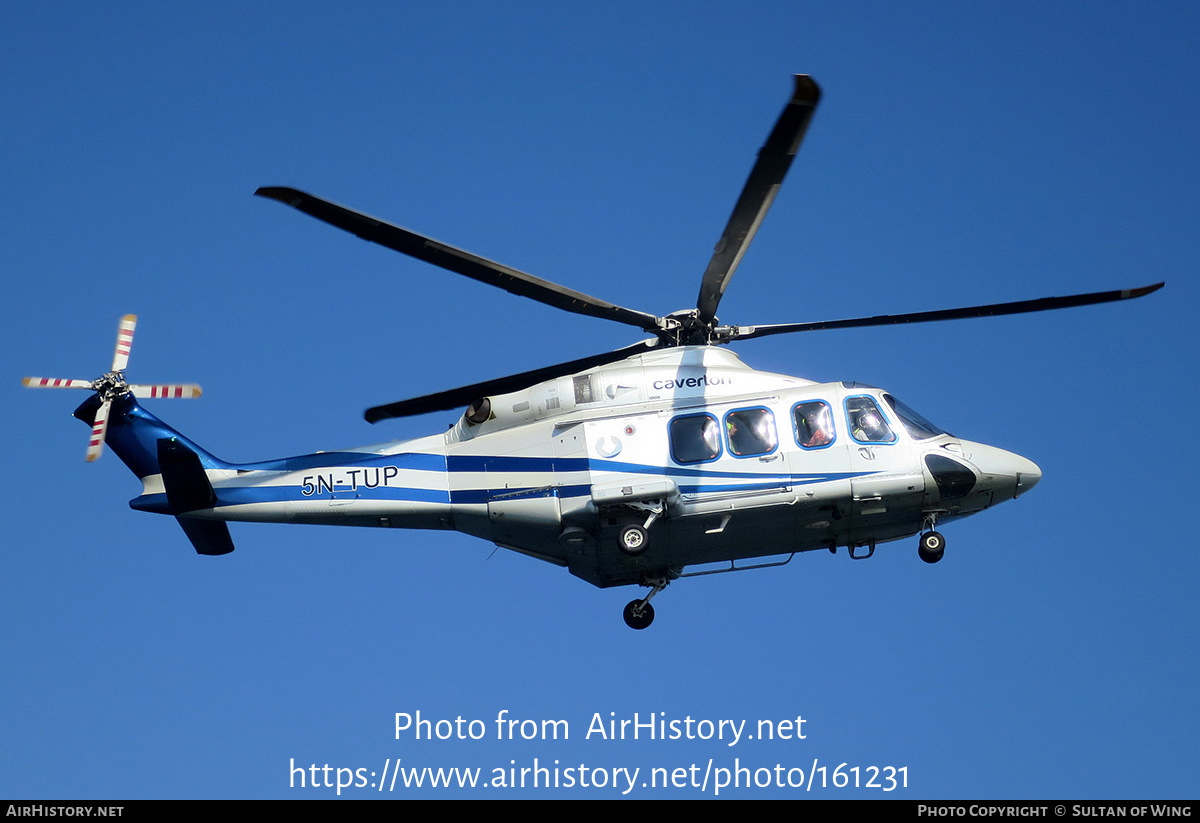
(150, 447)
(133, 433)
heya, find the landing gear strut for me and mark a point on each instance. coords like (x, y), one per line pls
(639, 614)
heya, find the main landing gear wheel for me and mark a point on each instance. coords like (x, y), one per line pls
(932, 547)
(638, 614)
(634, 541)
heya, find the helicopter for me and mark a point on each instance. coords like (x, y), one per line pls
(630, 467)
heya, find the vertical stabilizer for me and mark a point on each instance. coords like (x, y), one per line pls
(133, 433)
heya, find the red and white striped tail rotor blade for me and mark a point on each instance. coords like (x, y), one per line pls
(99, 427)
(183, 390)
(124, 342)
(55, 383)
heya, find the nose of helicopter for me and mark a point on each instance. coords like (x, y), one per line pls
(1004, 472)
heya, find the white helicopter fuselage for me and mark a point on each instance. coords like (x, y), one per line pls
(715, 461)
(625, 466)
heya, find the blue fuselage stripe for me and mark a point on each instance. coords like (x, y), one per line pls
(442, 470)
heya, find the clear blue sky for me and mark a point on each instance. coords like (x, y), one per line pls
(961, 154)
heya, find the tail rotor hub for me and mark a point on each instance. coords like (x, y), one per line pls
(111, 386)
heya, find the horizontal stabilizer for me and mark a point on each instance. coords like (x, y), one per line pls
(188, 489)
(208, 536)
(183, 477)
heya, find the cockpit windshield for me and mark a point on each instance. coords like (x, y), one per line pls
(917, 426)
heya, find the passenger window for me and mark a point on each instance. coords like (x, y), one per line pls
(695, 438)
(814, 424)
(751, 432)
(867, 423)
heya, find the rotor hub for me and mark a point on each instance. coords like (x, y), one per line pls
(686, 328)
(111, 386)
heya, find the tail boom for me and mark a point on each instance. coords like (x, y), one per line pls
(372, 487)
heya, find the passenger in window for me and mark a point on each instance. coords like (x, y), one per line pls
(820, 437)
(814, 425)
(750, 432)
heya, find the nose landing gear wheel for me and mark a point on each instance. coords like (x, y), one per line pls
(638, 614)
(634, 540)
(932, 547)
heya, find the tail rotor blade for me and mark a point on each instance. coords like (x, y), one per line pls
(177, 390)
(54, 383)
(99, 427)
(124, 342)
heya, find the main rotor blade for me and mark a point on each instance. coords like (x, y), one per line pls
(774, 159)
(503, 385)
(993, 310)
(459, 261)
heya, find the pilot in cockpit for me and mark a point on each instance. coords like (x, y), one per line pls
(869, 428)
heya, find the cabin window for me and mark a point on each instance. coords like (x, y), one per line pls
(917, 426)
(751, 432)
(867, 423)
(695, 438)
(814, 424)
